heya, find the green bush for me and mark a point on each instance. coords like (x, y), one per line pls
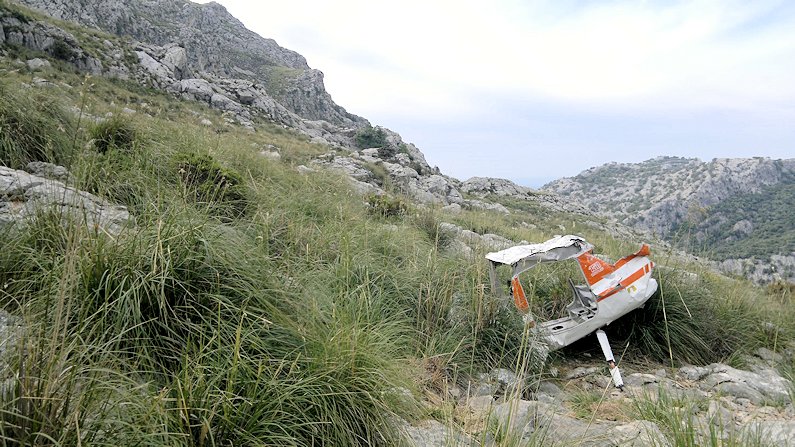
(370, 136)
(386, 206)
(219, 189)
(60, 49)
(114, 133)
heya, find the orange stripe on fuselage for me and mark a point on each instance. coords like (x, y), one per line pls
(626, 282)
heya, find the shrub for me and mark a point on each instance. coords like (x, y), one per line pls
(219, 188)
(386, 206)
(60, 49)
(114, 133)
(370, 136)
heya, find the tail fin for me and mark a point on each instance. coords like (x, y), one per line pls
(594, 268)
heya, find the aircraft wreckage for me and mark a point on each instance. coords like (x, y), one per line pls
(611, 290)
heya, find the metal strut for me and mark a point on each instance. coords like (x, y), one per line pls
(611, 362)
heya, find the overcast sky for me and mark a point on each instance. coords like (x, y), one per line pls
(537, 90)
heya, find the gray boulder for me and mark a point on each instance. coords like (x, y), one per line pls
(176, 60)
(197, 89)
(156, 68)
(49, 170)
(763, 385)
(38, 64)
(23, 196)
(221, 102)
(484, 186)
(433, 433)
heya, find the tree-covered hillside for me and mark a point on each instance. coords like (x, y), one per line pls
(747, 225)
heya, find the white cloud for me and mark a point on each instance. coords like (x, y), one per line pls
(427, 57)
(475, 84)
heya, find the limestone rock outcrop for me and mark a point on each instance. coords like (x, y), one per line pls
(24, 196)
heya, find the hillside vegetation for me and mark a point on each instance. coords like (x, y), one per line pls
(746, 225)
(250, 302)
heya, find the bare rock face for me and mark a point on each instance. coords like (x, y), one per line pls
(206, 39)
(485, 186)
(24, 195)
(49, 39)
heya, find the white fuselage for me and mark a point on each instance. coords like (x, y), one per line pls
(618, 293)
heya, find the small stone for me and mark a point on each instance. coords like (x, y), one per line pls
(49, 170)
(693, 373)
(454, 391)
(41, 82)
(581, 371)
(741, 390)
(371, 152)
(304, 170)
(480, 404)
(637, 379)
(452, 208)
(271, 155)
(549, 388)
(769, 356)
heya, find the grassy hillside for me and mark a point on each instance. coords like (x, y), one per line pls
(251, 304)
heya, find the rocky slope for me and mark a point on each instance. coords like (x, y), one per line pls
(702, 404)
(708, 207)
(206, 39)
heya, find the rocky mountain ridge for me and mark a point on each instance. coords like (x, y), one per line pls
(202, 53)
(680, 200)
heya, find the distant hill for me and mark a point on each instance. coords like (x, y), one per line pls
(736, 211)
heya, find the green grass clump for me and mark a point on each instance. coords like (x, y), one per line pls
(429, 223)
(216, 187)
(682, 425)
(33, 127)
(387, 206)
(700, 319)
(114, 133)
